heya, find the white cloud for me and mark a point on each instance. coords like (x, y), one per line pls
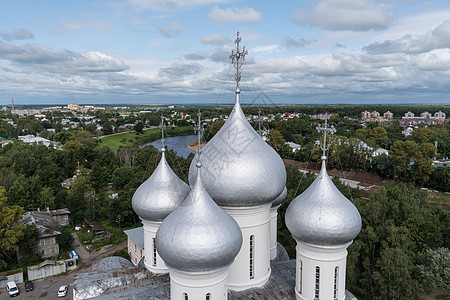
(43, 58)
(235, 15)
(172, 30)
(437, 60)
(76, 25)
(438, 38)
(266, 49)
(168, 5)
(17, 35)
(353, 15)
(215, 39)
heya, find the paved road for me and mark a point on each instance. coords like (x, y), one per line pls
(47, 288)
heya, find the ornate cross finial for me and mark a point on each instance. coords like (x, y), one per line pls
(325, 129)
(199, 129)
(162, 126)
(237, 57)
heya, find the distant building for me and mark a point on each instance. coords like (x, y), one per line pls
(31, 139)
(374, 114)
(365, 115)
(409, 115)
(47, 222)
(135, 244)
(439, 114)
(388, 116)
(425, 114)
(294, 147)
(73, 106)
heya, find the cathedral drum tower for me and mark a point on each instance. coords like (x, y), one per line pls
(324, 223)
(244, 176)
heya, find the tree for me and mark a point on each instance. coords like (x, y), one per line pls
(379, 135)
(139, 127)
(212, 130)
(11, 232)
(277, 142)
(423, 135)
(434, 269)
(65, 240)
(27, 244)
(440, 179)
(361, 134)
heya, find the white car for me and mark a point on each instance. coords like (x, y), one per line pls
(12, 289)
(62, 292)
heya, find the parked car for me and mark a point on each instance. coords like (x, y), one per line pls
(12, 288)
(62, 292)
(29, 286)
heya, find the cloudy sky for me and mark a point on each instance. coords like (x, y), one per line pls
(177, 51)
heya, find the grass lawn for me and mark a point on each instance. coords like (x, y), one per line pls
(125, 138)
(147, 136)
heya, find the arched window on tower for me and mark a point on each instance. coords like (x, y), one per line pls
(185, 296)
(336, 282)
(300, 278)
(316, 290)
(208, 296)
(154, 252)
(252, 256)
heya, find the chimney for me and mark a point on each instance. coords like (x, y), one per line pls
(12, 104)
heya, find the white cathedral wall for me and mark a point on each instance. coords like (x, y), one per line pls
(309, 257)
(150, 229)
(252, 221)
(273, 231)
(198, 285)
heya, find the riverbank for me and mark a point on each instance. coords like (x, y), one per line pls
(115, 141)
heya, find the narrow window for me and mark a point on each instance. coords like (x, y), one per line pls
(154, 253)
(336, 278)
(316, 290)
(252, 254)
(208, 296)
(300, 278)
(185, 296)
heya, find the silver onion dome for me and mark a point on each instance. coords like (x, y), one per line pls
(198, 236)
(241, 169)
(281, 197)
(321, 215)
(160, 194)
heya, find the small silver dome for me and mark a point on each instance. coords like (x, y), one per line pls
(281, 197)
(321, 215)
(160, 194)
(198, 236)
(240, 168)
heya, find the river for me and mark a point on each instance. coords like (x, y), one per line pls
(177, 143)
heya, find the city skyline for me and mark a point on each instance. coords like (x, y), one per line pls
(177, 52)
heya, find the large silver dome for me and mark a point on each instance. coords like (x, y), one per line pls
(160, 194)
(198, 236)
(281, 197)
(240, 168)
(321, 215)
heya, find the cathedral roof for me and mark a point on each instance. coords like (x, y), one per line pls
(321, 215)
(198, 236)
(160, 194)
(241, 169)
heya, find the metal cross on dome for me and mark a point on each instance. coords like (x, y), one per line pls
(237, 57)
(162, 126)
(326, 129)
